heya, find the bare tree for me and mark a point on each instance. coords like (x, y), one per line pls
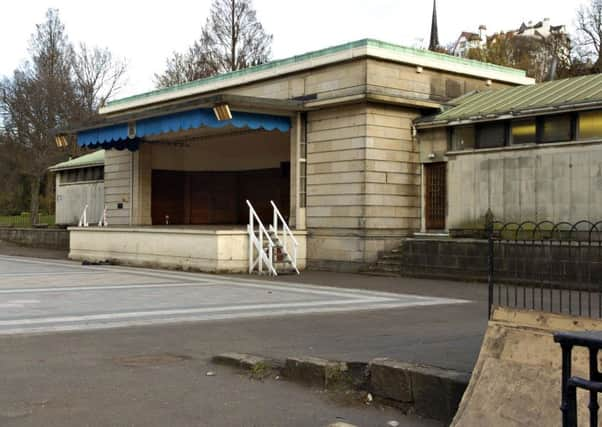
(589, 31)
(231, 39)
(97, 76)
(53, 89)
(38, 98)
(185, 67)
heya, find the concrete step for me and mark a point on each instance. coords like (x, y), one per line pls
(393, 257)
(432, 235)
(386, 261)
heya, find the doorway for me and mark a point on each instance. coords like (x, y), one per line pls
(435, 195)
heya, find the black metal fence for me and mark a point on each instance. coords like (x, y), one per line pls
(546, 266)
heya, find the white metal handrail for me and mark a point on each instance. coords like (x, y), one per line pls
(103, 219)
(287, 235)
(256, 240)
(83, 219)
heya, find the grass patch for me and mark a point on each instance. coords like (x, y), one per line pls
(24, 220)
(260, 371)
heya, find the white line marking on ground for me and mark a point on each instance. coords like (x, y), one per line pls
(205, 317)
(101, 288)
(176, 312)
(248, 282)
(46, 273)
(209, 314)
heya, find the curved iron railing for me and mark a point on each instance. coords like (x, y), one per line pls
(547, 266)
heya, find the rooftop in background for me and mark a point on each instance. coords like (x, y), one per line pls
(340, 53)
(96, 158)
(556, 96)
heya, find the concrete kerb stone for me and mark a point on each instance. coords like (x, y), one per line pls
(245, 361)
(427, 391)
(316, 372)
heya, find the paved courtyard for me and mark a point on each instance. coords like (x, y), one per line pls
(67, 332)
(42, 296)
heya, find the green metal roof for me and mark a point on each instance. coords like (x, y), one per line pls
(96, 158)
(566, 94)
(417, 53)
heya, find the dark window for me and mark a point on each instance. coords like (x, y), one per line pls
(462, 138)
(590, 125)
(555, 128)
(491, 135)
(523, 131)
(82, 175)
(302, 184)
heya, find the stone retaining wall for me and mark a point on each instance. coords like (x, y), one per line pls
(49, 238)
(467, 259)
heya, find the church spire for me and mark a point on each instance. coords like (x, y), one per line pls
(434, 43)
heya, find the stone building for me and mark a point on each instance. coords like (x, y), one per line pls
(328, 136)
(530, 153)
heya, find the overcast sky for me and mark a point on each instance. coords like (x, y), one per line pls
(146, 32)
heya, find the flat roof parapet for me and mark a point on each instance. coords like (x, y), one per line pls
(331, 55)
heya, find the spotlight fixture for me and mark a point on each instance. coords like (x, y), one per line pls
(61, 141)
(222, 112)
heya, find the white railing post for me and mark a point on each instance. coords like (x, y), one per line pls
(275, 222)
(262, 251)
(251, 230)
(103, 219)
(287, 235)
(257, 241)
(83, 219)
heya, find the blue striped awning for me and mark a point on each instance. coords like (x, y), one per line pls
(116, 136)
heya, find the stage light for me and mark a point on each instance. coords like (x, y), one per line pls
(222, 112)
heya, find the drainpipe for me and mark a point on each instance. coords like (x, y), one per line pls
(131, 186)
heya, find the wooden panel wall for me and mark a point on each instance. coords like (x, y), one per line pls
(202, 198)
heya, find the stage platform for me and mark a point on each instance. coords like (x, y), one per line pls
(213, 248)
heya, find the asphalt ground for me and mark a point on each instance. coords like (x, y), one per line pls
(62, 346)
(44, 296)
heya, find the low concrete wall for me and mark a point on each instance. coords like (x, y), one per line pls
(517, 378)
(49, 238)
(212, 251)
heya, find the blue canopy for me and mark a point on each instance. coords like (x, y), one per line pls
(116, 136)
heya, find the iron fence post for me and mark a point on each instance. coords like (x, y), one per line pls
(565, 405)
(490, 260)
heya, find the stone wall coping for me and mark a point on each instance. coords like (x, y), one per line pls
(167, 230)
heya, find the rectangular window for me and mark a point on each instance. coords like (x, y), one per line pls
(523, 131)
(491, 135)
(590, 125)
(302, 183)
(462, 138)
(555, 128)
(82, 175)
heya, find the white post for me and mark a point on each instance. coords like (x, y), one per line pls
(275, 221)
(271, 254)
(251, 233)
(261, 246)
(83, 220)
